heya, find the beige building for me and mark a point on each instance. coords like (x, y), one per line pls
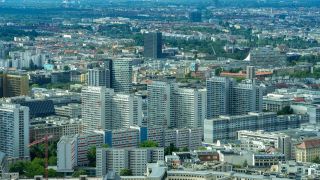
(308, 150)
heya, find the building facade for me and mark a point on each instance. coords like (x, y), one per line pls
(14, 131)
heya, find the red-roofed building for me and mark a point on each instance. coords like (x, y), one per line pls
(308, 150)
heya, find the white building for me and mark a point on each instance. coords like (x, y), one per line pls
(190, 107)
(226, 127)
(14, 131)
(96, 108)
(226, 97)
(67, 154)
(122, 111)
(159, 104)
(135, 159)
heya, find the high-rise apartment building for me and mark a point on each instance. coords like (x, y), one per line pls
(104, 109)
(159, 104)
(153, 45)
(122, 111)
(175, 107)
(226, 97)
(190, 107)
(14, 131)
(96, 108)
(218, 92)
(121, 75)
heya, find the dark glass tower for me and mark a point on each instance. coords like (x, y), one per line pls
(153, 45)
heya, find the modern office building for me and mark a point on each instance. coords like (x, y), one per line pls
(13, 85)
(266, 57)
(226, 97)
(195, 16)
(99, 77)
(14, 131)
(121, 75)
(135, 159)
(153, 45)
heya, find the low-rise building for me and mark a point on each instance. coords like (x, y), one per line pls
(308, 150)
(135, 159)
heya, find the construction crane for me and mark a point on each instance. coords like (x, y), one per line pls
(45, 139)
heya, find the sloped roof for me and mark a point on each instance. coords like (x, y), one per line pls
(309, 143)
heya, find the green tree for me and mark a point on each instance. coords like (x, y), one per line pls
(285, 111)
(316, 160)
(148, 143)
(218, 71)
(18, 167)
(170, 149)
(35, 86)
(202, 148)
(92, 156)
(185, 149)
(66, 68)
(78, 173)
(52, 161)
(245, 163)
(52, 173)
(105, 146)
(36, 167)
(125, 172)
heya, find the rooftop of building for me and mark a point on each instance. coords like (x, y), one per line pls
(309, 143)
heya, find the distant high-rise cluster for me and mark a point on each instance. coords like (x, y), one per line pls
(227, 97)
(115, 74)
(172, 106)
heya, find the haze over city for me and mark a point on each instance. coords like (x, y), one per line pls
(160, 89)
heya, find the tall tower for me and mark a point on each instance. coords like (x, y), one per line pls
(226, 97)
(99, 77)
(122, 111)
(14, 131)
(251, 72)
(190, 107)
(121, 80)
(218, 92)
(153, 45)
(159, 104)
(96, 108)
